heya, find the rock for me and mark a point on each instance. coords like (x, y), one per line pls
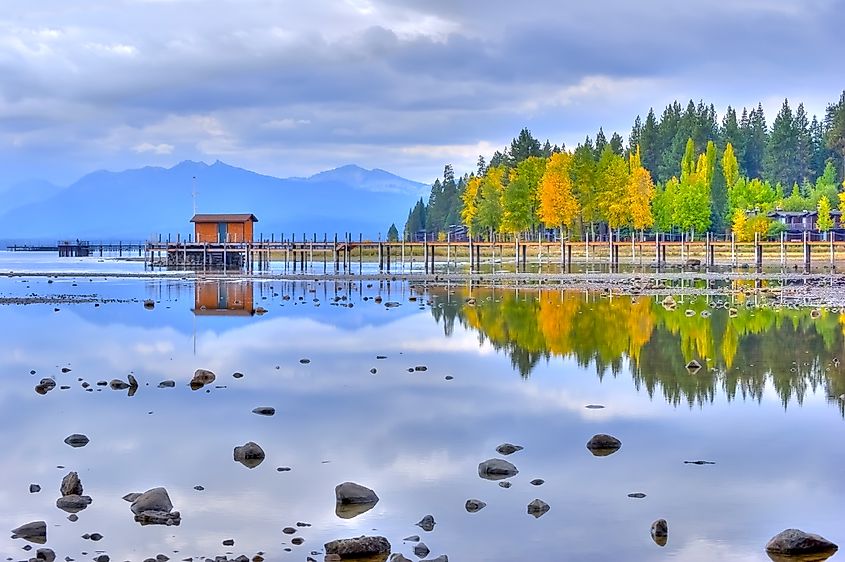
(229, 542)
(102, 558)
(792, 542)
(412, 538)
(699, 462)
(149, 304)
(45, 554)
(357, 547)
(117, 384)
(508, 449)
(76, 440)
(693, 366)
(594, 407)
(537, 482)
(733, 313)
(538, 508)
(71, 485)
(637, 495)
(264, 411)
(692, 262)
(496, 469)
(297, 541)
(34, 532)
(660, 532)
(441, 558)
(421, 550)
(250, 454)
(45, 386)
(396, 557)
(305, 361)
(351, 493)
(427, 523)
(73, 518)
(289, 530)
(201, 378)
(238, 375)
(34, 488)
(154, 507)
(504, 484)
(669, 302)
(602, 445)
(475, 505)
(167, 384)
(131, 497)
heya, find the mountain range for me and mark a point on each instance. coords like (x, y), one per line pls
(143, 203)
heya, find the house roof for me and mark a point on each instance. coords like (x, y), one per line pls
(780, 213)
(224, 217)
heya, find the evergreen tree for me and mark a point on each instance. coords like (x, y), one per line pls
(523, 147)
(755, 143)
(819, 148)
(649, 144)
(781, 156)
(616, 144)
(835, 130)
(436, 212)
(730, 133)
(804, 145)
(670, 147)
(636, 135)
(393, 233)
(481, 166)
(601, 142)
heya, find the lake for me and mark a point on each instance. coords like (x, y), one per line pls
(341, 363)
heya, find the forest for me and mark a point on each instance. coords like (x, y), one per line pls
(686, 171)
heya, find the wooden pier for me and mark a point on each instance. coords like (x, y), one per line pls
(340, 254)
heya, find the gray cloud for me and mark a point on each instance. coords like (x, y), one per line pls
(291, 88)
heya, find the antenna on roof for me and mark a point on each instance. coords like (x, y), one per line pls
(194, 193)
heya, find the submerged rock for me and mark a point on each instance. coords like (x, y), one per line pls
(602, 445)
(250, 454)
(474, 505)
(35, 532)
(167, 384)
(45, 555)
(693, 366)
(353, 499)
(508, 449)
(45, 386)
(660, 532)
(792, 542)
(201, 378)
(117, 384)
(538, 508)
(77, 440)
(496, 469)
(264, 411)
(427, 523)
(421, 550)
(358, 547)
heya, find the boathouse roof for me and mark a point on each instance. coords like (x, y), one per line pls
(224, 217)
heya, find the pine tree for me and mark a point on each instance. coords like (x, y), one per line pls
(730, 133)
(601, 142)
(393, 233)
(835, 130)
(804, 144)
(755, 143)
(781, 155)
(819, 148)
(523, 147)
(636, 135)
(649, 139)
(616, 144)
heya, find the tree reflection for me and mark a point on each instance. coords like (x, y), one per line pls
(792, 351)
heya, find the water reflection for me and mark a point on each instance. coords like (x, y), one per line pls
(740, 347)
(223, 298)
(415, 437)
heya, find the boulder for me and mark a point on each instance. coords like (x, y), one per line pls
(45, 555)
(352, 493)
(45, 386)
(117, 384)
(496, 469)
(71, 485)
(167, 384)
(154, 507)
(73, 503)
(358, 547)
(602, 445)
(792, 542)
(35, 532)
(250, 454)
(201, 378)
(264, 411)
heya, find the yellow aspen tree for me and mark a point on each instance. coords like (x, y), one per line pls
(730, 166)
(640, 193)
(469, 198)
(558, 205)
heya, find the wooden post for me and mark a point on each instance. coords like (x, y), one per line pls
(380, 257)
(360, 253)
(657, 249)
(524, 257)
(402, 268)
(448, 250)
(388, 257)
(425, 250)
(733, 249)
(831, 235)
(569, 257)
(336, 255)
(587, 247)
(808, 259)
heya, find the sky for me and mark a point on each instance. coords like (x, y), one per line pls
(291, 88)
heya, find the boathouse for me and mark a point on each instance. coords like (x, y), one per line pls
(222, 298)
(223, 228)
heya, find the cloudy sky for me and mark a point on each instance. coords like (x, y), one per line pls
(290, 87)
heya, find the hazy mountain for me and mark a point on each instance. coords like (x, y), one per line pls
(26, 192)
(149, 201)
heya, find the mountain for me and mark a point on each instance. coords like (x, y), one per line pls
(146, 202)
(25, 192)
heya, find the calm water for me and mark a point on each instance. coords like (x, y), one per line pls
(524, 363)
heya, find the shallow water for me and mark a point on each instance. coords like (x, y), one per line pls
(525, 365)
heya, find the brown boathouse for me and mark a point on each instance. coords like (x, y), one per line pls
(223, 228)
